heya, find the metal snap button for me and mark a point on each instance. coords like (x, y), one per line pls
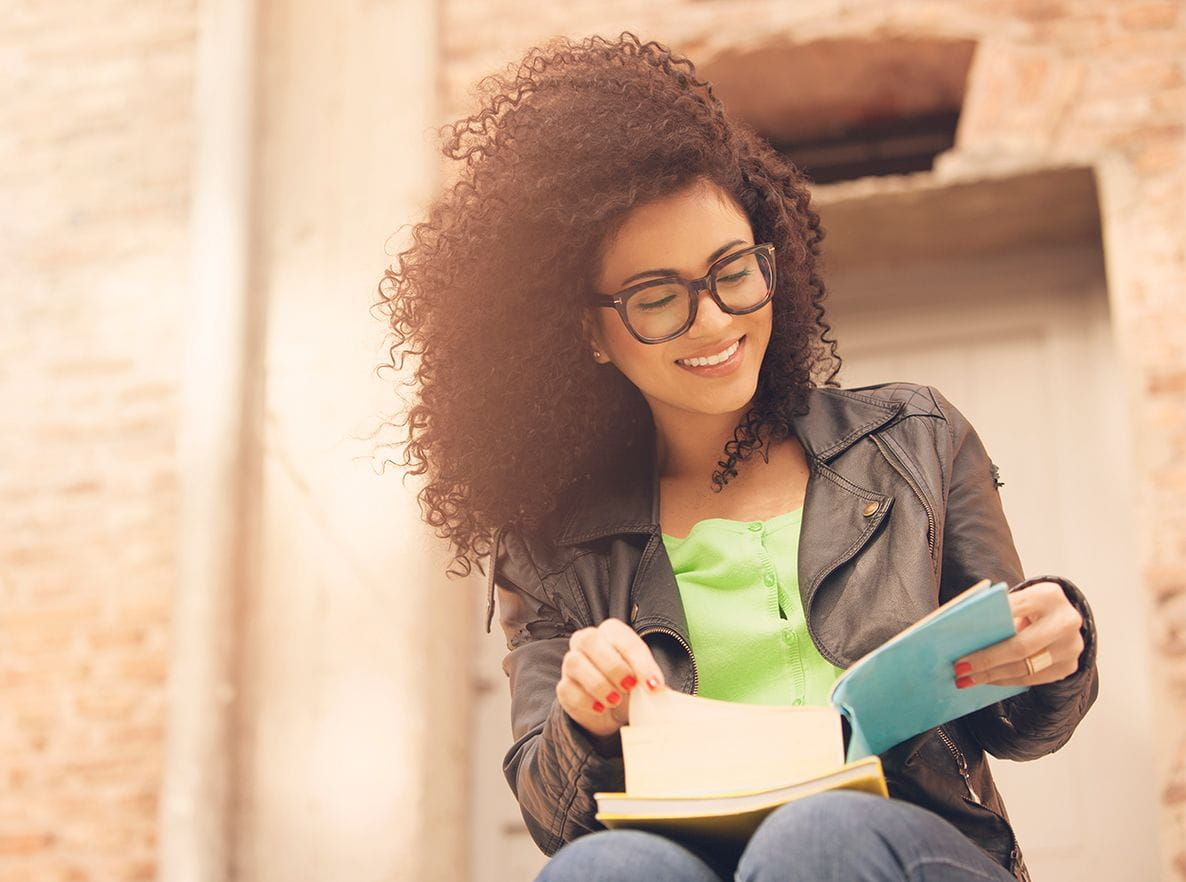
(869, 509)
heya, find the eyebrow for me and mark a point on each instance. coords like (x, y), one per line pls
(671, 272)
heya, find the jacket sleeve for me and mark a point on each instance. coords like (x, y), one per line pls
(978, 544)
(554, 765)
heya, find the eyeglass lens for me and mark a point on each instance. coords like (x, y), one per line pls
(659, 310)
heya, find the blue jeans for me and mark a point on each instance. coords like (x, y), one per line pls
(838, 836)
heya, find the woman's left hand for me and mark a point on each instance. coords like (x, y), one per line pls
(1047, 635)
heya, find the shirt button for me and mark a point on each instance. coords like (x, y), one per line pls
(769, 580)
(798, 701)
(756, 526)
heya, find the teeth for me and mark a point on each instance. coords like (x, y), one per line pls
(715, 359)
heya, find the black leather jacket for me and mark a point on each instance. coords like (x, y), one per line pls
(865, 572)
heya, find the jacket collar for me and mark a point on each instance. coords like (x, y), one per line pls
(629, 501)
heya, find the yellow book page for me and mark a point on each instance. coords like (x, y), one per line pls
(731, 818)
(703, 746)
(671, 705)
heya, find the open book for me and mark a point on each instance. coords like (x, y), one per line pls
(715, 769)
(906, 685)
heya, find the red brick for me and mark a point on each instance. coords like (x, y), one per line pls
(1168, 383)
(65, 619)
(145, 738)
(120, 634)
(1135, 77)
(1146, 16)
(12, 844)
(141, 871)
(145, 668)
(1153, 149)
(1039, 10)
(1170, 102)
(104, 832)
(107, 703)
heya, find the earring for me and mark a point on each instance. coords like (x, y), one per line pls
(596, 354)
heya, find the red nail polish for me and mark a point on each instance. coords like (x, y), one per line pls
(652, 683)
(613, 698)
(963, 682)
(628, 683)
(963, 668)
(598, 707)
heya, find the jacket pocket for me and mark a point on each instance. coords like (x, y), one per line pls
(898, 466)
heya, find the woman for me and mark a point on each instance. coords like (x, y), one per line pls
(621, 287)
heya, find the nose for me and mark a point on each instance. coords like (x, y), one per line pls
(710, 318)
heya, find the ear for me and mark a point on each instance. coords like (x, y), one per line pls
(593, 337)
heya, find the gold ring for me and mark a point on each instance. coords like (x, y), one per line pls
(1039, 662)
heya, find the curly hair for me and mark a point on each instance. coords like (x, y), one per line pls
(512, 414)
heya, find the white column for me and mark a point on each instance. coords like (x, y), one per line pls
(194, 844)
(352, 740)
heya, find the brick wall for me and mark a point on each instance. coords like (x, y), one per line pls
(95, 142)
(95, 132)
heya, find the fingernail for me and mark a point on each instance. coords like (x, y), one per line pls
(628, 683)
(652, 683)
(598, 707)
(963, 668)
(613, 698)
(963, 682)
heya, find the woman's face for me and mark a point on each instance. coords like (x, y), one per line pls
(684, 233)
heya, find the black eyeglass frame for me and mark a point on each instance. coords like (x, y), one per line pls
(619, 300)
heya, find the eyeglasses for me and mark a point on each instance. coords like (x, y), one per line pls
(659, 310)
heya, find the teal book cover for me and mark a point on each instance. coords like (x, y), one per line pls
(906, 685)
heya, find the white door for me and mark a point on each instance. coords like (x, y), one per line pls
(1021, 345)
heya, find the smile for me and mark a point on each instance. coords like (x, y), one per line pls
(722, 356)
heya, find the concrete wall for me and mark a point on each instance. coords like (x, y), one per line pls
(353, 723)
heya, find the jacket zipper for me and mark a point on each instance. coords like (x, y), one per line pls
(682, 642)
(901, 470)
(962, 764)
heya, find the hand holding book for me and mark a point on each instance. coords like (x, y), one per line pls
(906, 685)
(1049, 636)
(714, 768)
(600, 669)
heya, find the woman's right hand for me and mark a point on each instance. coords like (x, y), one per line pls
(600, 668)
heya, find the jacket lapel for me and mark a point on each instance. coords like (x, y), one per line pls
(628, 502)
(836, 418)
(839, 515)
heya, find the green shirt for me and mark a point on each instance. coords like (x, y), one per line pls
(739, 583)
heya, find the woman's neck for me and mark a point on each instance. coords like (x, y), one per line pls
(689, 445)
